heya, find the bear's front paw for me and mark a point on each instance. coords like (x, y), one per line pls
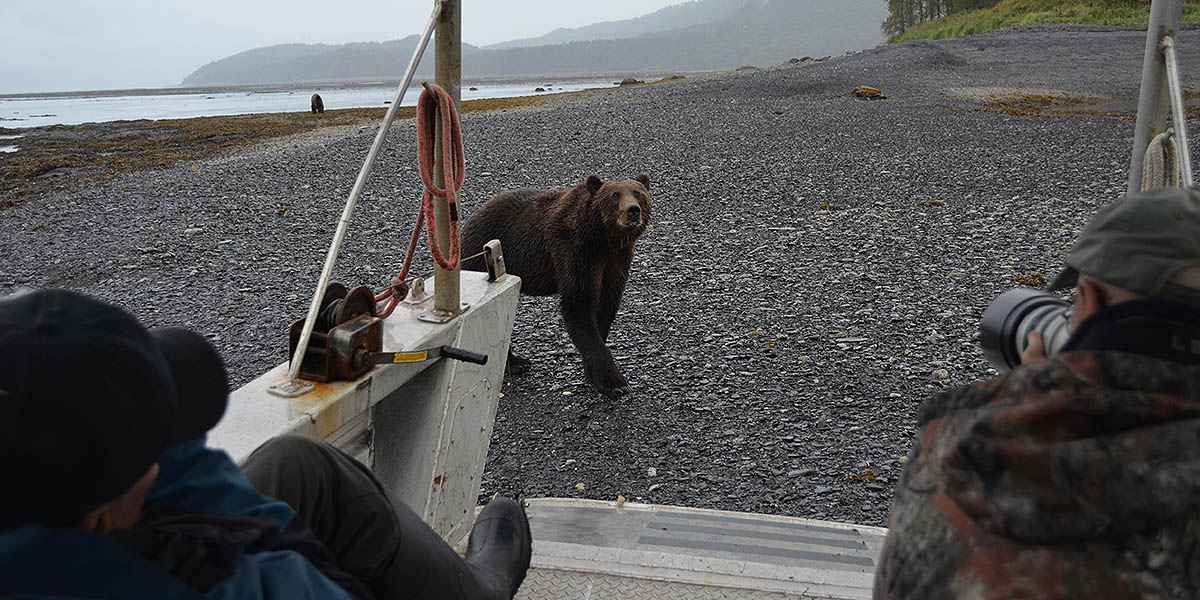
(611, 384)
(618, 391)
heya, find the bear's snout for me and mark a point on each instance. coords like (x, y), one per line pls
(631, 215)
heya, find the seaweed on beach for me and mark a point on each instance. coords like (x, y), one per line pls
(1045, 104)
(68, 157)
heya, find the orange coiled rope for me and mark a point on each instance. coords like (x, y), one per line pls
(453, 166)
(429, 106)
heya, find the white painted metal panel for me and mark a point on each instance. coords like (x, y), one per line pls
(431, 421)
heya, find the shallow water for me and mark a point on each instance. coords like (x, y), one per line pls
(9, 148)
(99, 107)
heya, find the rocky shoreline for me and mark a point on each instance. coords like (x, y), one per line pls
(63, 158)
(816, 266)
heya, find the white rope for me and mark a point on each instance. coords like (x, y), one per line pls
(1160, 166)
(292, 386)
(1178, 110)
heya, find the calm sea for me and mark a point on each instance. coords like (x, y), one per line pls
(97, 107)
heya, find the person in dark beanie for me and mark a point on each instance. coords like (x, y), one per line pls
(1076, 475)
(111, 492)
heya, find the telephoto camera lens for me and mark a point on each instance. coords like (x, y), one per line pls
(1008, 320)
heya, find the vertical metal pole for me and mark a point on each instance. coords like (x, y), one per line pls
(1154, 99)
(448, 74)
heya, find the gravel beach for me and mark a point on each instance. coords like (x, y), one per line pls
(817, 264)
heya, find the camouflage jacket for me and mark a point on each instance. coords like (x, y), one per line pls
(1077, 476)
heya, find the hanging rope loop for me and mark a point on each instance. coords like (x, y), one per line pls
(1160, 166)
(434, 101)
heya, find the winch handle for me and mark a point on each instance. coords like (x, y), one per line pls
(464, 355)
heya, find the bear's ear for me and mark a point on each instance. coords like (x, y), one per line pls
(593, 183)
(644, 179)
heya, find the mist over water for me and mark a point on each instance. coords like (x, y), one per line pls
(98, 107)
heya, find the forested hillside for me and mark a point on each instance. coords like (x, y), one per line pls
(904, 14)
(934, 19)
(314, 62)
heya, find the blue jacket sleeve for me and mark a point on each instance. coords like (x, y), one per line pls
(39, 562)
(194, 476)
(277, 576)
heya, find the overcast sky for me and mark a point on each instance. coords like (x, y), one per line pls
(61, 45)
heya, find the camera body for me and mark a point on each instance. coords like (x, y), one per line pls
(1009, 318)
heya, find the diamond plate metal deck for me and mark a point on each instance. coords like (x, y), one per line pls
(550, 584)
(585, 549)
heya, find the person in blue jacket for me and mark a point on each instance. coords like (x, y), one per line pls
(109, 490)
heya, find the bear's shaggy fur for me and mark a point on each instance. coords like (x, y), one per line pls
(318, 105)
(577, 243)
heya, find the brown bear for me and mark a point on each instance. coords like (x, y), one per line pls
(318, 106)
(577, 243)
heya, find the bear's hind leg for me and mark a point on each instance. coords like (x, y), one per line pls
(516, 365)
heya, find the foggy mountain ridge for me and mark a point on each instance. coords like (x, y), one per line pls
(665, 19)
(291, 63)
(715, 34)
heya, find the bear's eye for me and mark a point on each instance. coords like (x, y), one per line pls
(616, 195)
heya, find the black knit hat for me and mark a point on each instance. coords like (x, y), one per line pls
(89, 399)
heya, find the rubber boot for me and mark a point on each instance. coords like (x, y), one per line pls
(426, 568)
(500, 546)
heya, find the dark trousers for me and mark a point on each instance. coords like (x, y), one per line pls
(381, 542)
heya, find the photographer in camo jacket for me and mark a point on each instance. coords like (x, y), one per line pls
(1076, 475)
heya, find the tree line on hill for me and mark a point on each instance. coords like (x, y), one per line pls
(904, 14)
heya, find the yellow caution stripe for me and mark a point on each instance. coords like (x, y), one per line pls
(403, 357)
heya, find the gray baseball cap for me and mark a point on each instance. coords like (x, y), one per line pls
(1139, 242)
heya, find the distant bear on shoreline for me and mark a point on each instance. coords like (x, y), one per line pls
(577, 243)
(318, 106)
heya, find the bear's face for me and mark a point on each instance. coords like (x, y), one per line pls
(624, 204)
